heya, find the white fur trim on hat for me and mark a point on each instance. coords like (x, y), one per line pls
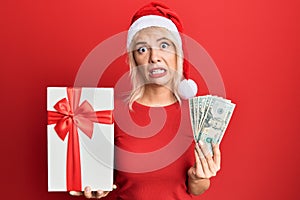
(187, 88)
(149, 21)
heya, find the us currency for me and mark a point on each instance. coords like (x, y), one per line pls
(211, 116)
(192, 117)
(202, 103)
(208, 100)
(197, 107)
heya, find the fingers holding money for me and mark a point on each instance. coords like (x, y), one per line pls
(217, 156)
(198, 169)
(207, 165)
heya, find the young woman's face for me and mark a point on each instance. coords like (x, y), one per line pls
(155, 56)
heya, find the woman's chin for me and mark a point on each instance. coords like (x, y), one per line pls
(159, 83)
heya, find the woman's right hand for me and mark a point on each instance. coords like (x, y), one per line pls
(88, 193)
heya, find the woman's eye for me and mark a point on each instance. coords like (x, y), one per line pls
(164, 45)
(142, 49)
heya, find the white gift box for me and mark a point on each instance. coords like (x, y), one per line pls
(96, 150)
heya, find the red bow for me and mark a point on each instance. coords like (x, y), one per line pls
(68, 118)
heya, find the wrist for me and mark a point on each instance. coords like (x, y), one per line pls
(197, 186)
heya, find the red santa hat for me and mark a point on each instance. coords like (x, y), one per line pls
(159, 15)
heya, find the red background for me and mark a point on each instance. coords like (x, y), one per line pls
(255, 44)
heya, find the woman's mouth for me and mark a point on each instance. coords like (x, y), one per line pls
(157, 72)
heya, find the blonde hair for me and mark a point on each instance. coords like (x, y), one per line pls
(138, 87)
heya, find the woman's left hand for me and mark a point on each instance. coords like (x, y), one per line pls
(206, 165)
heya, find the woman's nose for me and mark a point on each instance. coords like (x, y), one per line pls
(154, 55)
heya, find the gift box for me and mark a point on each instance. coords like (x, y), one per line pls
(80, 138)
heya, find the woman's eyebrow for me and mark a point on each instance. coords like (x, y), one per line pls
(163, 38)
(144, 42)
(139, 43)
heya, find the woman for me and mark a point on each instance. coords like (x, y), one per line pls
(157, 68)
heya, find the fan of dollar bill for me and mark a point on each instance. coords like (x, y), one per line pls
(210, 116)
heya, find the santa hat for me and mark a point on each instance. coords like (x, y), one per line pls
(159, 15)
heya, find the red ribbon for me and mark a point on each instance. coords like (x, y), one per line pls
(70, 116)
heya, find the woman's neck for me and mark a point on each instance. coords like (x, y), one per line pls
(155, 95)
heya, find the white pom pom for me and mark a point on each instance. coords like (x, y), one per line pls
(187, 89)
